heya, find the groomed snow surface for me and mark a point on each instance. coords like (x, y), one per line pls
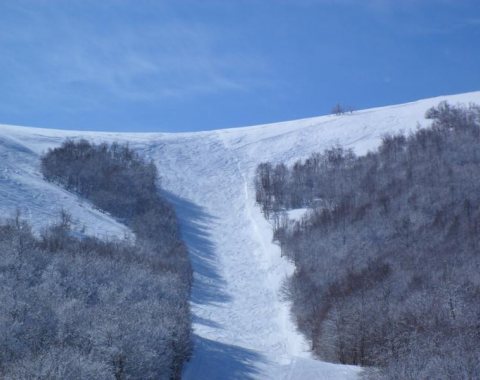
(242, 328)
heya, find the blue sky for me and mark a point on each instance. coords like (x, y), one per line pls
(186, 65)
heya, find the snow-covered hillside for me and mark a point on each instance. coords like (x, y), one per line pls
(242, 328)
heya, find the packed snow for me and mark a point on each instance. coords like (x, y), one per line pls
(242, 327)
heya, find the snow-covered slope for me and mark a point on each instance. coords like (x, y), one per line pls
(242, 328)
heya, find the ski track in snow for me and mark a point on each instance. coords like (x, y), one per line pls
(242, 328)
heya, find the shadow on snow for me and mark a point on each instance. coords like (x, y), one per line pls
(224, 362)
(208, 284)
(212, 360)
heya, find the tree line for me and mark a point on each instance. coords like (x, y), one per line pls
(387, 260)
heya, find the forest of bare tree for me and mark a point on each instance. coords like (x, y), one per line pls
(387, 259)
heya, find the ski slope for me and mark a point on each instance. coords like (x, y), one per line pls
(242, 328)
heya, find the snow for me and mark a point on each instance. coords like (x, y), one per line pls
(297, 214)
(22, 187)
(242, 328)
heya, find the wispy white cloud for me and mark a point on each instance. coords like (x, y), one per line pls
(52, 51)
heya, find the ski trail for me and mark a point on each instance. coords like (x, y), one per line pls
(294, 343)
